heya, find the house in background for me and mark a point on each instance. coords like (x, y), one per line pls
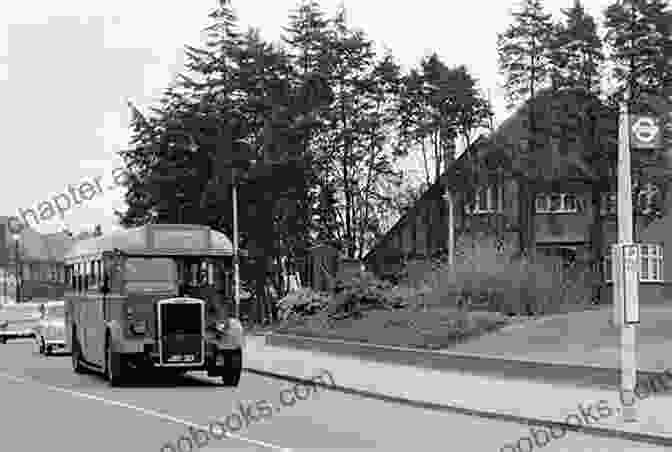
(41, 261)
(574, 216)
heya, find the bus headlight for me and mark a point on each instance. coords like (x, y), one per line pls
(223, 327)
(139, 327)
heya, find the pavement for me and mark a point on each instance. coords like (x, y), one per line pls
(517, 400)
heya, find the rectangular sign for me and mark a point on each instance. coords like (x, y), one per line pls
(631, 264)
(617, 278)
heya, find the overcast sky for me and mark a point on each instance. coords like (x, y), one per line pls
(67, 68)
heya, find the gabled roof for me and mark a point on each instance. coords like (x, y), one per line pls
(503, 146)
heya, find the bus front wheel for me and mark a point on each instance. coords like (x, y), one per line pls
(234, 367)
(76, 355)
(114, 366)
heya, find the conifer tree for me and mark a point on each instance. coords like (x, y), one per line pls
(576, 51)
(639, 34)
(524, 60)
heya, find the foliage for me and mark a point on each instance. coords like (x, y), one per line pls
(300, 303)
(639, 34)
(487, 272)
(576, 51)
(362, 292)
(524, 59)
(438, 104)
(524, 51)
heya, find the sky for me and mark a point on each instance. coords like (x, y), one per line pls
(67, 69)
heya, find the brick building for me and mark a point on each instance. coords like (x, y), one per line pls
(574, 217)
(41, 259)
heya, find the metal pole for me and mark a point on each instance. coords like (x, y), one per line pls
(628, 358)
(18, 267)
(448, 197)
(451, 230)
(236, 263)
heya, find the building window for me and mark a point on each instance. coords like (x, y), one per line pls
(608, 205)
(651, 264)
(487, 200)
(647, 195)
(557, 203)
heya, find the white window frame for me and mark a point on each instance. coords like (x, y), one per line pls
(542, 203)
(608, 204)
(646, 195)
(494, 200)
(651, 256)
(652, 261)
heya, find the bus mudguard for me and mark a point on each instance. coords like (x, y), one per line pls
(116, 334)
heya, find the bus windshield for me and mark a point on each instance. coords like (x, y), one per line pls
(148, 274)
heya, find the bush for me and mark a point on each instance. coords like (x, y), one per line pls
(492, 275)
(301, 303)
(364, 292)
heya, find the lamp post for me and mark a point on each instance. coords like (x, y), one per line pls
(448, 197)
(241, 160)
(17, 263)
(236, 256)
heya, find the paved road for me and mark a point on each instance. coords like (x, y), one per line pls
(45, 406)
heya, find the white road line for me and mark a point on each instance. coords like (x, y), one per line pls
(145, 411)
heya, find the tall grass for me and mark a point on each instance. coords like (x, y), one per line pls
(485, 274)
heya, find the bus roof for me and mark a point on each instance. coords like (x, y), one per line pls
(157, 240)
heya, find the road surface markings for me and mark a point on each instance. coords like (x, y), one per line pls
(145, 411)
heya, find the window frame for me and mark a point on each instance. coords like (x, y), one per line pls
(653, 260)
(494, 200)
(547, 199)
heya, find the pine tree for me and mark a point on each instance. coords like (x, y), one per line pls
(576, 51)
(524, 59)
(437, 105)
(306, 38)
(639, 34)
(352, 155)
(524, 52)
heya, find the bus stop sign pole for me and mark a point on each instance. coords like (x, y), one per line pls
(626, 281)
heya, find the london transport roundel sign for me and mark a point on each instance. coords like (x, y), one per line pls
(645, 133)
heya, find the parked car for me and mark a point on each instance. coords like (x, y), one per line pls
(50, 331)
(17, 321)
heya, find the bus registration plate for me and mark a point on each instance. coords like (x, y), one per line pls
(182, 358)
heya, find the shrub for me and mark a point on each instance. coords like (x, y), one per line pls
(494, 275)
(301, 303)
(364, 292)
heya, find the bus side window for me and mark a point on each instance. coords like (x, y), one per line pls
(92, 277)
(73, 281)
(105, 283)
(85, 275)
(99, 272)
